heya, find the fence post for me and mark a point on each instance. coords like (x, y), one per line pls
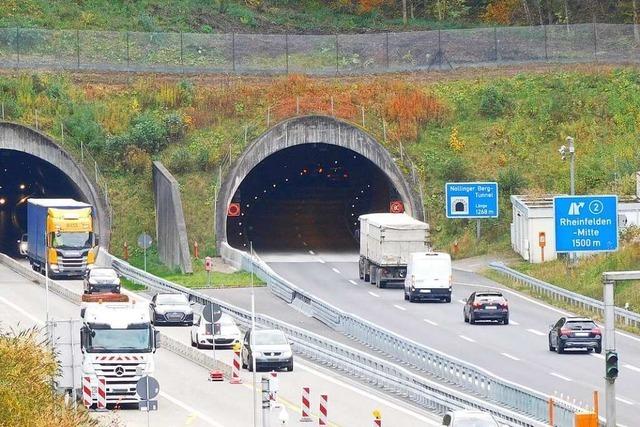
(2, 110)
(182, 52)
(337, 56)
(128, 59)
(495, 42)
(233, 51)
(286, 47)
(78, 48)
(18, 47)
(386, 46)
(595, 39)
(546, 53)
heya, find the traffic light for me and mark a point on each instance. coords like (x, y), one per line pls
(611, 363)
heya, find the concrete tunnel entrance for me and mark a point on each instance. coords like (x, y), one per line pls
(32, 165)
(303, 184)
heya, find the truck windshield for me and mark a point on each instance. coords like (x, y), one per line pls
(120, 341)
(74, 240)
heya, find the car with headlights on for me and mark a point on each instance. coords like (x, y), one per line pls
(171, 309)
(270, 347)
(225, 331)
(575, 332)
(486, 305)
(469, 418)
(101, 279)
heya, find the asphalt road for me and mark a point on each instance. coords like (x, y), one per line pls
(517, 352)
(187, 398)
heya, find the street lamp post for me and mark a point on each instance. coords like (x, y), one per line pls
(570, 150)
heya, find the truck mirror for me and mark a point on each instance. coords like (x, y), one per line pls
(97, 240)
(156, 339)
(446, 420)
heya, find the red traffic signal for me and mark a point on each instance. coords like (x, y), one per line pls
(396, 206)
(234, 209)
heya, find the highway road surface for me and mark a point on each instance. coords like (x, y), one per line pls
(517, 352)
(188, 398)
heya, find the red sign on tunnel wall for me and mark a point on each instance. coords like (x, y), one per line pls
(234, 209)
(396, 206)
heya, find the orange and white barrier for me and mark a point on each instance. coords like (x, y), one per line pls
(306, 405)
(87, 398)
(323, 410)
(273, 388)
(235, 371)
(102, 393)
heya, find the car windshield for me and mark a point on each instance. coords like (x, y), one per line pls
(104, 273)
(269, 337)
(120, 340)
(580, 325)
(74, 240)
(171, 299)
(480, 420)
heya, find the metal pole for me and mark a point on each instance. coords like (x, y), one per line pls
(182, 51)
(546, 48)
(362, 107)
(253, 329)
(78, 48)
(572, 255)
(128, 59)
(609, 345)
(266, 402)
(61, 130)
(478, 230)
(18, 47)
(595, 39)
(337, 56)
(297, 105)
(386, 46)
(95, 167)
(145, 257)
(286, 47)
(268, 116)
(46, 287)
(495, 42)
(74, 396)
(82, 151)
(37, 128)
(233, 51)
(3, 111)
(148, 403)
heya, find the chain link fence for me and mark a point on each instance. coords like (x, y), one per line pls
(347, 54)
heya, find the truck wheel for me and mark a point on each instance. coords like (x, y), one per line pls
(406, 297)
(373, 274)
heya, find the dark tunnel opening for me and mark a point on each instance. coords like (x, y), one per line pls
(307, 197)
(23, 176)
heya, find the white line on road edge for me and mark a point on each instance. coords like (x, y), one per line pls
(509, 356)
(461, 301)
(191, 410)
(562, 377)
(374, 294)
(623, 400)
(533, 331)
(21, 311)
(431, 322)
(353, 282)
(336, 270)
(513, 322)
(321, 261)
(399, 307)
(467, 338)
(633, 368)
(312, 253)
(358, 390)
(599, 356)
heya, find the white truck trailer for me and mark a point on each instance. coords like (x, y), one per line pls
(386, 240)
(118, 342)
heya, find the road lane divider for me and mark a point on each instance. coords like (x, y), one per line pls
(562, 377)
(535, 332)
(399, 307)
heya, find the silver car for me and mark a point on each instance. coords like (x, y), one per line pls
(101, 279)
(171, 309)
(225, 330)
(270, 348)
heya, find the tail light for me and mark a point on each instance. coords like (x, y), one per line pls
(596, 331)
(565, 331)
(504, 305)
(477, 305)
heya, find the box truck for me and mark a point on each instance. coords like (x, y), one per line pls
(61, 235)
(429, 277)
(386, 240)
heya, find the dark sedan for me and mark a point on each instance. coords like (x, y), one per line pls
(575, 332)
(486, 305)
(172, 309)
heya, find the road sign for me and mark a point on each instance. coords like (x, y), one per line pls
(147, 388)
(586, 223)
(212, 312)
(234, 209)
(144, 241)
(208, 263)
(396, 206)
(471, 199)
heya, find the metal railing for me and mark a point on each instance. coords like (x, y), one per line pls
(517, 404)
(623, 316)
(326, 54)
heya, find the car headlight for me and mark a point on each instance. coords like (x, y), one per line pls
(287, 353)
(413, 288)
(257, 354)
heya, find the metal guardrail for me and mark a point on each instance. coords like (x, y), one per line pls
(626, 317)
(511, 402)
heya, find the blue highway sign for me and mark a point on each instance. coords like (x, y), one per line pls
(586, 223)
(471, 199)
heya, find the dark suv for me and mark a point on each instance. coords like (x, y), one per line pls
(486, 305)
(575, 332)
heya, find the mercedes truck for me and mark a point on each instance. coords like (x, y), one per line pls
(61, 236)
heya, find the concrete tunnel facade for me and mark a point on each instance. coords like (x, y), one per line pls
(23, 139)
(313, 129)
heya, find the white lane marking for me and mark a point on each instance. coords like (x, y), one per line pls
(191, 410)
(461, 301)
(562, 377)
(336, 270)
(633, 368)
(431, 322)
(368, 395)
(533, 331)
(467, 338)
(353, 282)
(373, 294)
(623, 400)
(599, 356)
(399, 307)
(509, 356)
(321, 261)
(311, 252)
(541, 304)
(513, 322)
(21, 311)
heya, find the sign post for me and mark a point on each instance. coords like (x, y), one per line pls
(144, 242)
(469, 200)
(212, 313)
(586, 223)
(148, 389)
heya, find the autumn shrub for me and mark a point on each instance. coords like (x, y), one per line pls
(410, 108)
(175, 127)
(137, 160)
(26, 373)
(148, 132)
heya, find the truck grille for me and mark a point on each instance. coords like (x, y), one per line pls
(72, 264)
(121, 380)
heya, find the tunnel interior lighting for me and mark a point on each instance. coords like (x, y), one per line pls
(22, 186)
(3, 200)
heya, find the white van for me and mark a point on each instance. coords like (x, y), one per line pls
(428, 277)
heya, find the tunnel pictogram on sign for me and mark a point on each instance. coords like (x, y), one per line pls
(396, 206)
(234, 209)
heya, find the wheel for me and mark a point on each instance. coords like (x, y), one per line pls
(406, 297)
(598, 349)
(466, 318)
(250, 366)
(193, 343)
(471, 319)
(505, 321)
(551, 347)
(447, 299)
(382, 284)
(290, 367)
(244, 365)
(372, 274)
(560, 348)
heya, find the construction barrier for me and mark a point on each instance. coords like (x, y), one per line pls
(235, 371)
(87, 398)
(273, 388)
(323, 410)
(102, 393)
(586, 419)
(306, 405)
(377, 418)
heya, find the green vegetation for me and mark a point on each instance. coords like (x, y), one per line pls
(26, 374)
(196, 280)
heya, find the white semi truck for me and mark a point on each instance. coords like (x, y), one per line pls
(118, 342)
(386, 240)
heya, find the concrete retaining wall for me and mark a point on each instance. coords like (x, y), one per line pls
(171, 230)
(17, 137)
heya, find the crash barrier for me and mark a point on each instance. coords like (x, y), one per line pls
(540, 287)
(510, 402)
